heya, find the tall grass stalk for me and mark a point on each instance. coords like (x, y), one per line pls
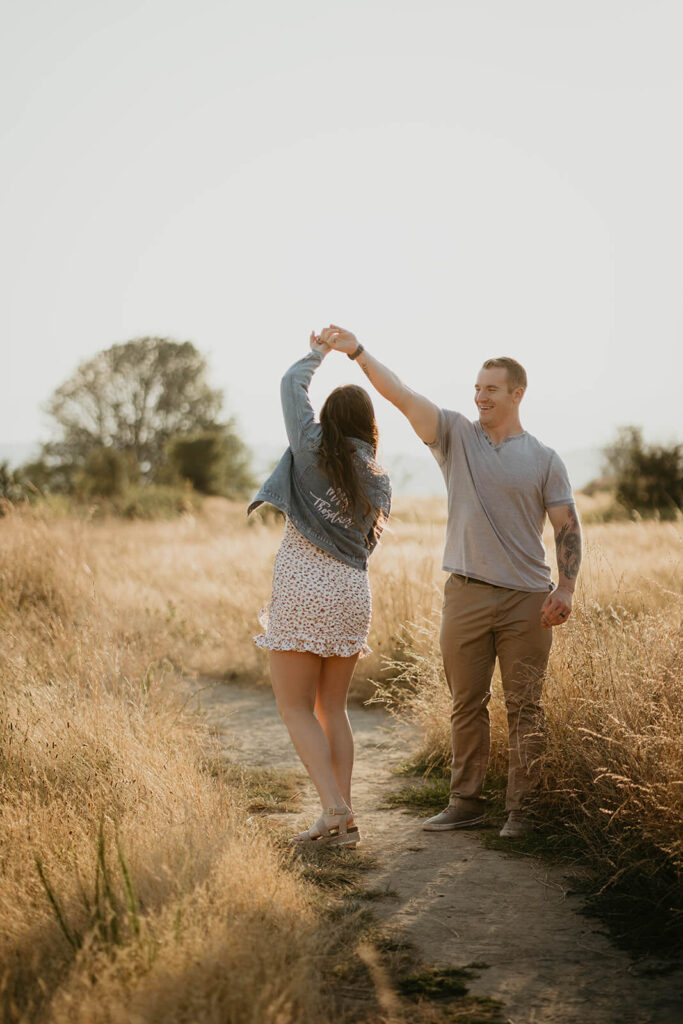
(612, 771)
(131, 885)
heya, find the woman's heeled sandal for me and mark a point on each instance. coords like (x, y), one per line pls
(331, 829)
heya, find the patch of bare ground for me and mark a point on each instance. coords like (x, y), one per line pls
(512, 922)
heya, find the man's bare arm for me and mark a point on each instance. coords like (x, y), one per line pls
(422, 414)
(565, 523)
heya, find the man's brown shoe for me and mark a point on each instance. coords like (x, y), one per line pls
(464, 815)
(518, 824)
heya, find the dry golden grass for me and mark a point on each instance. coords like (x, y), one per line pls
(180, 911)
(612, 772)
(166, 904)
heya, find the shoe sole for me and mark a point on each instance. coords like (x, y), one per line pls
(349, 838)
(470, 823)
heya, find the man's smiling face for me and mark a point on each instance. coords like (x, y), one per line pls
(496, 404)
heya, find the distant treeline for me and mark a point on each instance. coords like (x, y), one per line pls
(137, 426)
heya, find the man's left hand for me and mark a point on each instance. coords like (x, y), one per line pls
(557, 608)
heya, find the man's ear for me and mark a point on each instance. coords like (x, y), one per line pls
(518, 394)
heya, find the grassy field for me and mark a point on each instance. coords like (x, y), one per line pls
(131, 886)
(612, 772)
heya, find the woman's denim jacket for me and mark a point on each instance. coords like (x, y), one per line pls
(300, 488)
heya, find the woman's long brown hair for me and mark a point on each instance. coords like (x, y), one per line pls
(347, 413)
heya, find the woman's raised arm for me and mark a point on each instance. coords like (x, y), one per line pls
(302, 429)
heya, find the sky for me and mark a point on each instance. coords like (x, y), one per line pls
(449, 180)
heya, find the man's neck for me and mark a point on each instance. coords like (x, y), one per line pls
(498, 434)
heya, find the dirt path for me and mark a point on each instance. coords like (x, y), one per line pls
(458, 902)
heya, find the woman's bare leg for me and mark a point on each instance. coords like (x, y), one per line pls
(330, 709)
(295, 677)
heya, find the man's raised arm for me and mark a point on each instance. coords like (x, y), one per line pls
(422, 414)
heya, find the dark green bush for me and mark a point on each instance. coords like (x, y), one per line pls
(648, 478)
(11, 486)
(214, 461)
(107, 473)
(155, 501)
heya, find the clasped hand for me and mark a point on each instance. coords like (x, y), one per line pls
(333, 337)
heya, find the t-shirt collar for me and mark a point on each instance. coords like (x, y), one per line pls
(510, 437)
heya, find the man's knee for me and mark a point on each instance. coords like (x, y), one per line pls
(468, 677)
(524, 711)
(524, 671)
(468, 700)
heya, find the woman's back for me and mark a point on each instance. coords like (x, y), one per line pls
(304, 487)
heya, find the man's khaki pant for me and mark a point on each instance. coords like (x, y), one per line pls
(481, 622)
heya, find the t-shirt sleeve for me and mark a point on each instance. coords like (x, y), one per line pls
(557, 490)
(440, 448)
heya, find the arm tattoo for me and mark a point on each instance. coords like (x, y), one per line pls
(363, 365)
(568, 546)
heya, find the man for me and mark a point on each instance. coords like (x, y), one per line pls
(499, 599)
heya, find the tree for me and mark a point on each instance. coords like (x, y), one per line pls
(214, 461)
(648, 478)
(132, 397)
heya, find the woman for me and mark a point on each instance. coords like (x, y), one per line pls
(336, 500)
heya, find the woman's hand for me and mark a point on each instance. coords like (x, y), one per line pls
(317, 344)
(340, 340)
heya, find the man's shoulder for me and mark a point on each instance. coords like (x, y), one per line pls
(539, 448)
(455, 421)
(451, 424)
(554, 472)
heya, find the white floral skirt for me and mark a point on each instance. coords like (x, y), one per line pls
(318, 603)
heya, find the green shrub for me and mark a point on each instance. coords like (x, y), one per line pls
(11, 488)
(214, 461)
(155, 502)
(106, 472)
(648, 478)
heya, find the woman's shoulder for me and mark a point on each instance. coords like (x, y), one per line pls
(375, 473)
(366, 454)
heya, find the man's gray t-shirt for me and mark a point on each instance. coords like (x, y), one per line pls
(497, 500)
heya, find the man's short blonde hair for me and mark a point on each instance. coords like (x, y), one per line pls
(515, 371)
